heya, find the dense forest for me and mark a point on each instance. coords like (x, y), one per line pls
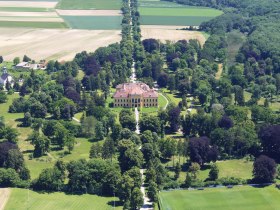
(259, 20)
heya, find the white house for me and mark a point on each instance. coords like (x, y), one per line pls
(5, 77)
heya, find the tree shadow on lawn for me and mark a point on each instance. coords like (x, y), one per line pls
(94, 140)
(115, 203)
(164, 161)
(254, 183)
(205, 167)
(27, 151)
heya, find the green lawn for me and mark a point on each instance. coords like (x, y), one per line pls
(29, 24)
(81, 75)
(94, 22)
(81, 149)
(78, 115)
(172, 97)
(11, 119)
(36, 165)
(229, 168)
(274, 106)
(92, 4)
(241, 198)
(21, 199)
(162, 101)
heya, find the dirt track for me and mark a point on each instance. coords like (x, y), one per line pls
(61, 44)
(4, 197)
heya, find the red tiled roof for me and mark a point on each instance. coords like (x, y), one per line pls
(126, 89)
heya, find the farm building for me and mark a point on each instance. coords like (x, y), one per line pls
(5, 77)
(135, 95)
(34, 66)
(22, 65)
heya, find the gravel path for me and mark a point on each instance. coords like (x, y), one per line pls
(147, 205)
(4, 197)
(165, 99)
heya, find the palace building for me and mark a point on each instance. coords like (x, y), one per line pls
(135, 95)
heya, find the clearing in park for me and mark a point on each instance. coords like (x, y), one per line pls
(22, 199)
(241, 198)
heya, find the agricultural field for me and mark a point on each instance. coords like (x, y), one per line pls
(171, 33)
(52, 44)
(94, 22)
(170, 13)
(30, 14)
(242, 198)
(93, 4)
(39, 30)
(22, 199)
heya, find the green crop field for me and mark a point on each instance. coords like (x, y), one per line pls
(170, 13)
(25, 9)
(93, 4)
(171, 20)
(94, 22)
(195, 12)
(21, 199)
(163, 4)
(241, 198)
(27, 24)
